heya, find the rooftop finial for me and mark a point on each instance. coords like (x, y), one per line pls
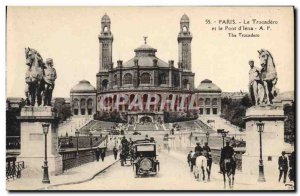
(145, 39)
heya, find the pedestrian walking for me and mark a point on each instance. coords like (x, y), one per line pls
(189, 158)
(282, 166)
(102, 154)
(97, 153)
(115, 151)
(194, 155)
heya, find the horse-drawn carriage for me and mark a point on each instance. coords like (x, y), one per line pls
(127, 153)
(145, 162)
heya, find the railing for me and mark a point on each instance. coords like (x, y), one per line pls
(13, 169)
(71, 159)
(83, 141)
(13, 142)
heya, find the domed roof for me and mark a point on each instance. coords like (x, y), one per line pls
(144, 48)
(208, 86)
(146, 61)
(145, 55)
(184, 18)
(83, 86)
(105, 18)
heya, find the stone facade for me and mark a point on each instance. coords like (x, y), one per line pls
(83, 97)
(272, 138)
(209, 98)
(33, 139)
(146, 74)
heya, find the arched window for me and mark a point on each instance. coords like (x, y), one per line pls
(75, 106)
(201, 101)
(184, 29)
(145, 78)
(90, 106)
(105, 29)
(207, 101)
(128, 78)
(215, 101)
(115, 82)
(104, 84)
(82, 106)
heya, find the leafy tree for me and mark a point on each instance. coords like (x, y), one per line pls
(63, 110)
(289, 124)
(234, 110)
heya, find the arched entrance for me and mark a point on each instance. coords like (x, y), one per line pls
(146, 119)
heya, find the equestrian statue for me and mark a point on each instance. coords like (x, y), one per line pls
(39, 79)
(262, 80)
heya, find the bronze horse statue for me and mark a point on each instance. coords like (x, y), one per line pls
(33, 77)
(39, 78)
(268, 75)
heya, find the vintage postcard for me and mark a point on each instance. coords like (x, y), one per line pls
(150, 98)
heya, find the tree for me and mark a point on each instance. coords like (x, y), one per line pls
(234, 110)
(289, 124)
(62, 108)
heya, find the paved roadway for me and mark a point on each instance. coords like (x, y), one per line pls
(174, 174)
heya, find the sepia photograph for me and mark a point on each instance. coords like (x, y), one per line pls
(161, 98)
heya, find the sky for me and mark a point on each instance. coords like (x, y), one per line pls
(69, 35)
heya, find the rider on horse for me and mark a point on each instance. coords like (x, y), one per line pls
(226, 154)
(207, 154)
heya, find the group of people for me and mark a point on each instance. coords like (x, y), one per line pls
(100, 153)
(284, 163)
(200, 161)
(201, 158)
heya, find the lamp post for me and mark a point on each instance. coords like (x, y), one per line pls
(261, 175)
(91, 139)
(45, 166)
(77, 136)
(207, 136)
(190, 137)
(223, 134)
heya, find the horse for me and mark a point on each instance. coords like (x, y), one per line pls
(33, 77)
(228, 167)
(200, 167)
(268, 75)
(208, 168)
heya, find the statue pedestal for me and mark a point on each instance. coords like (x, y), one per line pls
(272, 139)
(33, 139)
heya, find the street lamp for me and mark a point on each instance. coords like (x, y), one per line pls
(190, 137)
(45, 167)
(223, 134)
(207, 136)
(261, 175)
(91, 139)
(77, 136)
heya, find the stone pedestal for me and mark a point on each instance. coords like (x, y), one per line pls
(33, 139)
(272, 139)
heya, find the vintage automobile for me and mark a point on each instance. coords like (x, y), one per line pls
(145, 163)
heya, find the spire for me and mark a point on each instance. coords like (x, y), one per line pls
(145, 39)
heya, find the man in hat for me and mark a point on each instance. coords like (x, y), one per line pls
(282, 166)
(198, 147)
(226, 154)
(49, 78)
